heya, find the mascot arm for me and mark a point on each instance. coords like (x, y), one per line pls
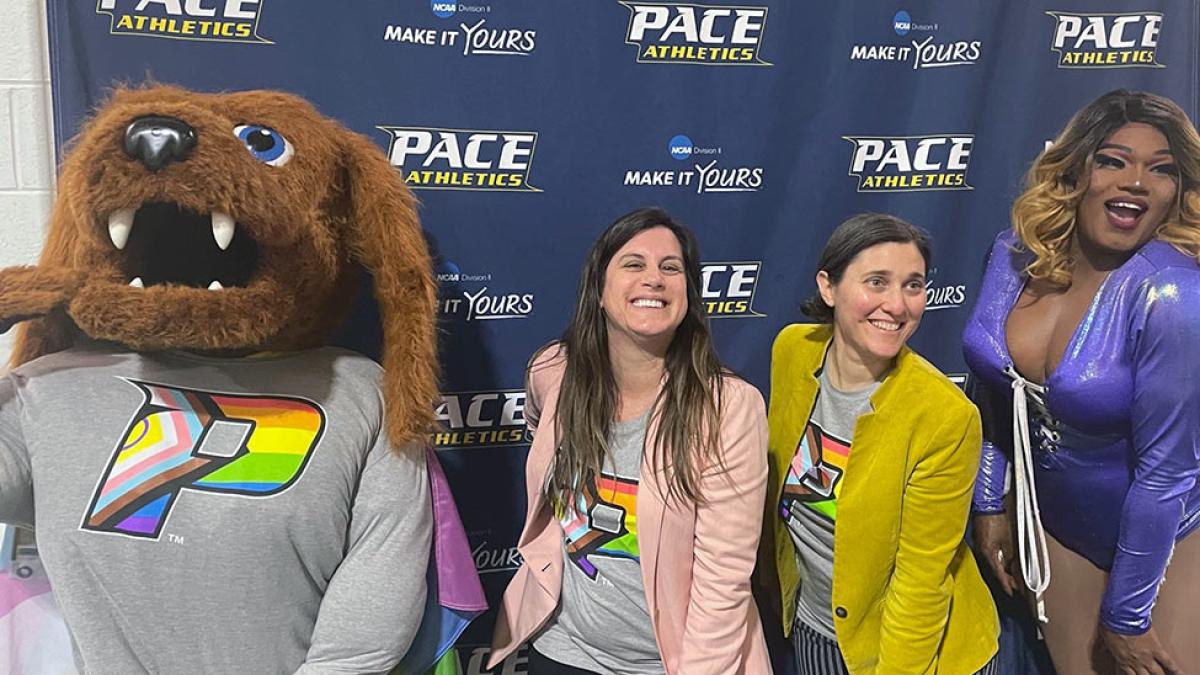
(374, 602)
(31, 292)
(16, 482)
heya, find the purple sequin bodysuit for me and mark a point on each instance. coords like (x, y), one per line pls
(1113, 436)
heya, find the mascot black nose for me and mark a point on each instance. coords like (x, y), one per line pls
(157, 141)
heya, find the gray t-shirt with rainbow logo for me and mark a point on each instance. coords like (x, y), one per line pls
(602, 623)
(225, 516)
(810, 493)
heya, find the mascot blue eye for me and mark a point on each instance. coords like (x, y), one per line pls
(266, 144)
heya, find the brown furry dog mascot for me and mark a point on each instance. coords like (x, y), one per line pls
(214, 491)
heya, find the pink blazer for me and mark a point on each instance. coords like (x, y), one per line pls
(696, 558)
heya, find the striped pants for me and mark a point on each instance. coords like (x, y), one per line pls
(818, 655)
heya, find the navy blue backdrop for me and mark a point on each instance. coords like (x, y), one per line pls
(526, 126)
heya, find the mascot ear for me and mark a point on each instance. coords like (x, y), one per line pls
(385, 237)
(47, 288)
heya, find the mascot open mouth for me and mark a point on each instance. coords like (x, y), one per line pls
(229, 222)
(164, 243)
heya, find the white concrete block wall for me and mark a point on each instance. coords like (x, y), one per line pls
(26, 136)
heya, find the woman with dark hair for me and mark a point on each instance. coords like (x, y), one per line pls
(873, 457)
(1083, 340)
(645, 478)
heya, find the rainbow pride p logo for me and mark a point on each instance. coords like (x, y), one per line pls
(184, 439)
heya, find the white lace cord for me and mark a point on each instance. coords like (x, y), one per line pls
(1031, 536)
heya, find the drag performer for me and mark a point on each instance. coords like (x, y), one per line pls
(1083, 341)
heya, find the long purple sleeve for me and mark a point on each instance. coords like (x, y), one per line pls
(1165, 331)
(989, 481)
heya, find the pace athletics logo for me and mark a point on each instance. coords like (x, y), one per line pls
(473, 36)
(435, 158)
(1128, 40)
(911, 163)
(729, 288)
(212, 20)
(208, 442)
(481, 419)
(706, 172)
(679, 32)
(920, 47)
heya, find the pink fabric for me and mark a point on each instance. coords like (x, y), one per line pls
(33, 637)
(14, 590)
(458, 582)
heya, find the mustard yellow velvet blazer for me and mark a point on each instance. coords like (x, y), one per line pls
(907, 595)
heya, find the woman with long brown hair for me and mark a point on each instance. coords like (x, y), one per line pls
(645, 478)
(1082, 341)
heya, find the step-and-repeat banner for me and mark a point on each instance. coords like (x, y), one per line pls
(526, 126)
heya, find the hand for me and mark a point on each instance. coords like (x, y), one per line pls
(1139, 654)
(994, 544)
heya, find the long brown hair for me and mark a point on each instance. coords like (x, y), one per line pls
(1044, 215)
(687, 408)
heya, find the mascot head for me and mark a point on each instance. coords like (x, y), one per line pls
(230, 221)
